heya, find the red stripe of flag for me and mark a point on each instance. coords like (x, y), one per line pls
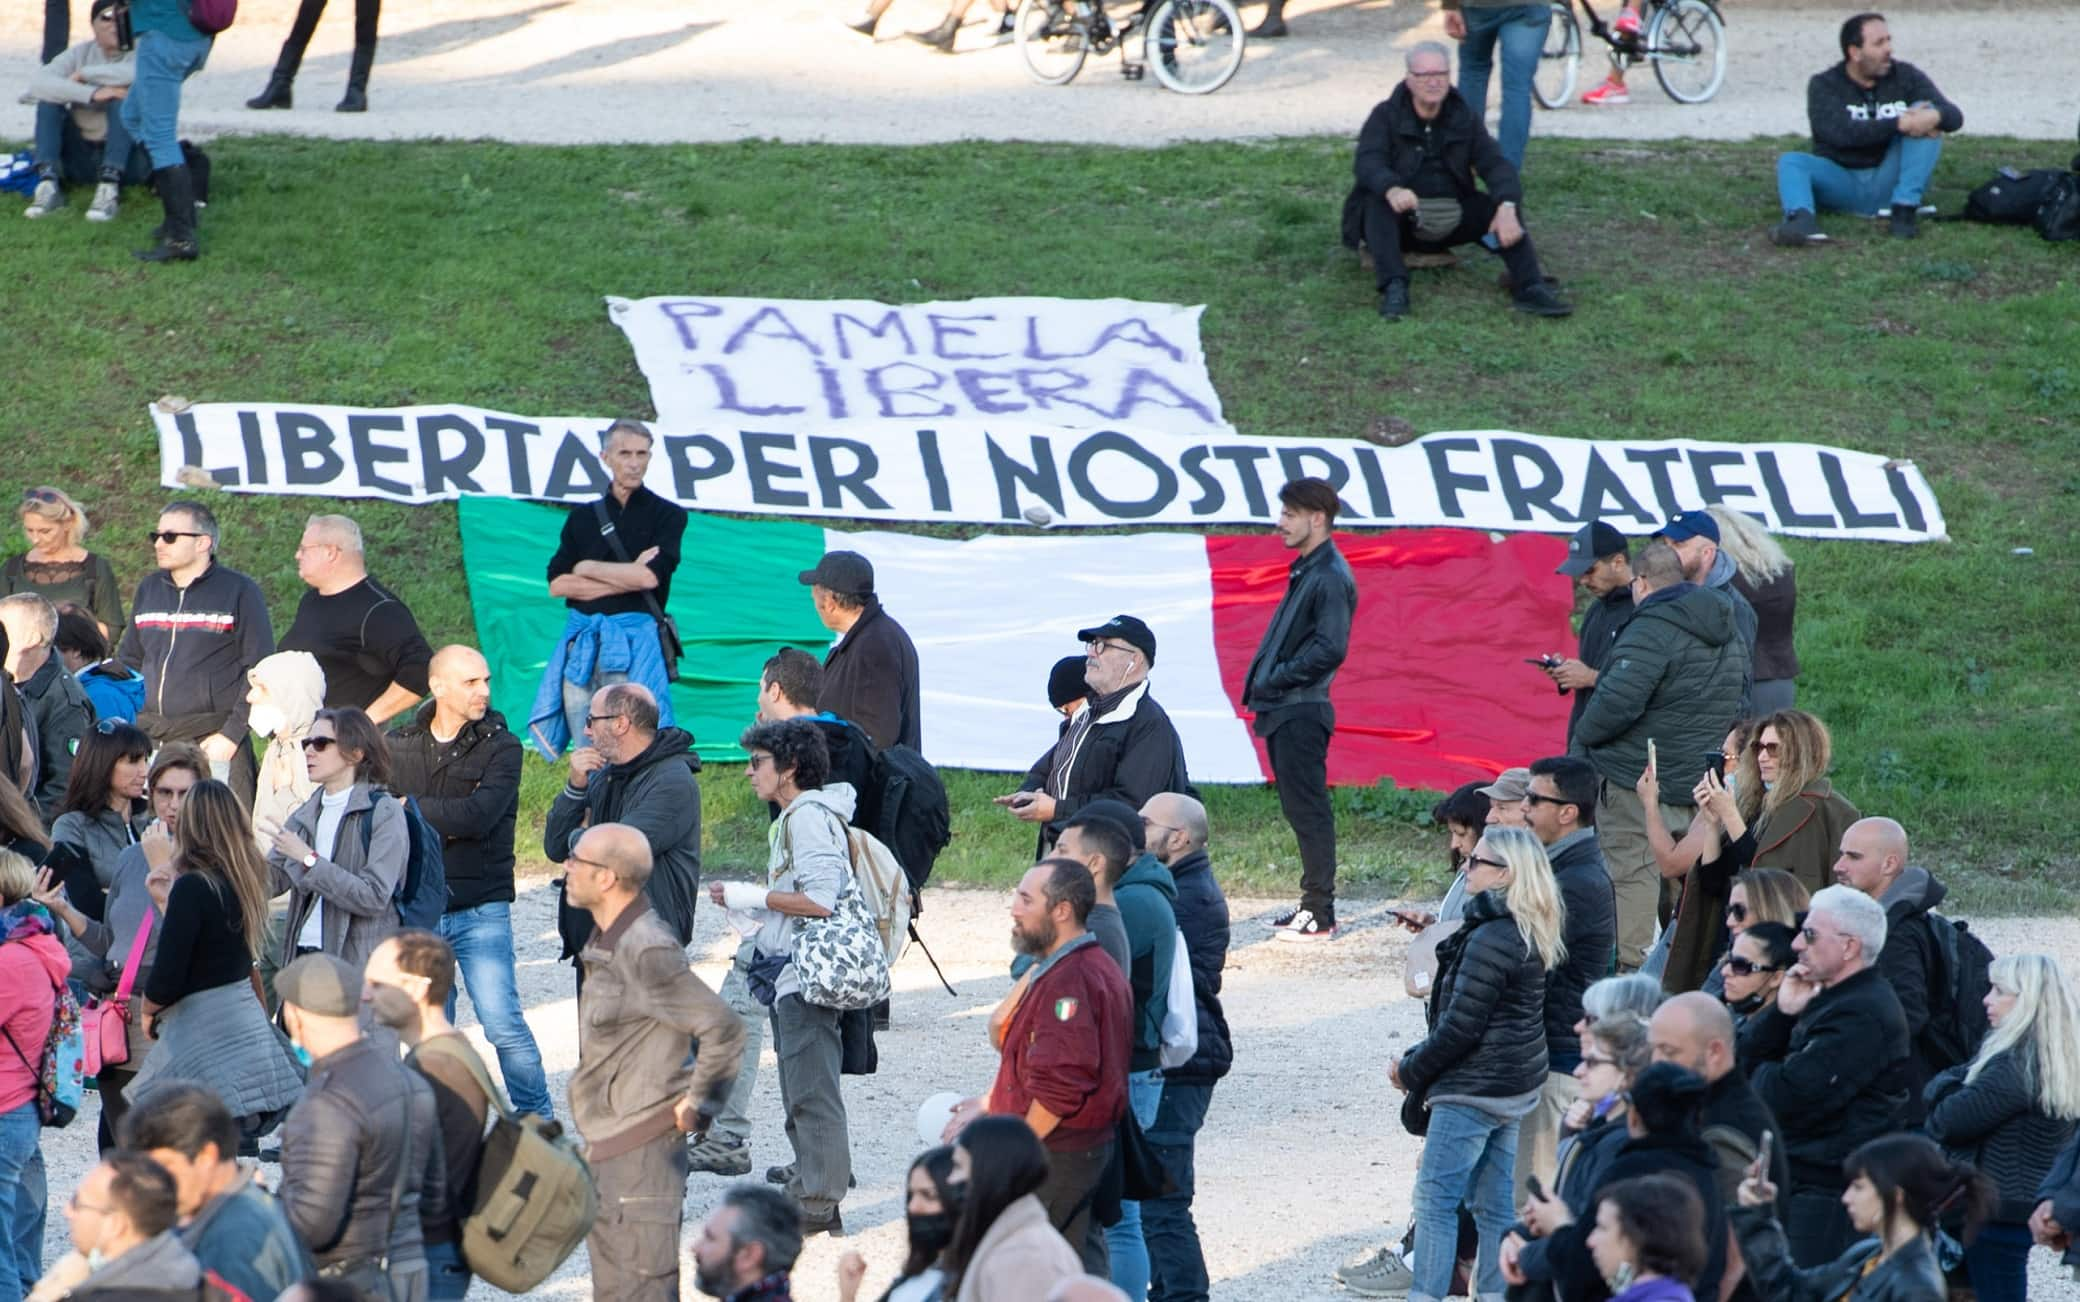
(1435, 691)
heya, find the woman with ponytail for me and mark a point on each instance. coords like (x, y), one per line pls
(1900, 1188)
(2011, 1109)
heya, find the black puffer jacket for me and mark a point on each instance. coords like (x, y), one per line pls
(1835, 1077)
(1684, 1155)
(1997, 1125)
(469, 790)
(1202, 915)
(1914, 966)
(1676, 676)
(1589, 927)
(1487, 1014)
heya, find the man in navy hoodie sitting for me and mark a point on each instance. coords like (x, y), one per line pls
(1878, 127)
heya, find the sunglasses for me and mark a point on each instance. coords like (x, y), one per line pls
(319, 743)
(1533, 798)
(1487, 863)
(42, 495)
(1766, 747)
(1739, 966)
(1737, 912)
(170, 536)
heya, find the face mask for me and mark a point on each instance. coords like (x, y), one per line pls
(1621, 1279)
(266, 719)
(1748, 1007)
(930, 1234)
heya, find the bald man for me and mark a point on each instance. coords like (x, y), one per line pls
(362, 633)
(636, 1092)
(1174, 830)
(1695, 1032)
(1945, 1030)
(459, 760)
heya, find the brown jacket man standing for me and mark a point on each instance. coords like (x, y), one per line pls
(634, 1094)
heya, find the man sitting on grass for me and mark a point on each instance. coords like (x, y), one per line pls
(1417, 156)
(80, 137)
(1878, 126)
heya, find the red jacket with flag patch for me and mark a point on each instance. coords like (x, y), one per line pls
(1066, 1047)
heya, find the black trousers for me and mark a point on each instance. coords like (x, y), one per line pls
(1068, 1192)
(1390, 234)
(57, 28)
(307, 14)
(1299, 748)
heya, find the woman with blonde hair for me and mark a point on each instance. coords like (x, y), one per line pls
(1782, 789)
(58, 566)
(1478, 1072)
(2011, 1109)
(1765, 576)
(1758, 895)
(201, 1002)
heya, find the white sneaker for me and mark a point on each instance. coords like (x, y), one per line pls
(106, 203)
(1384, 1274)
(47, 200)
(1304, 926)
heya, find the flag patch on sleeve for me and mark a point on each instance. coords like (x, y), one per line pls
(1064, 1009)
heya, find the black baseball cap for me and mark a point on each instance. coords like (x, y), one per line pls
(1688, 525)
(1128, 630)
(1590, 544)
(846, 573)
(1065, 681)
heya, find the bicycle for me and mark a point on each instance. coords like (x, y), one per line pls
(1685, 40)
(1193, 46)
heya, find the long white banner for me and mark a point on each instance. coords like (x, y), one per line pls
(1077, 363)
(973, 472)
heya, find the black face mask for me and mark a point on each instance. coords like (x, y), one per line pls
(931, 1233)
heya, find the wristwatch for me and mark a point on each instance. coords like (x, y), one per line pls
(310, 860)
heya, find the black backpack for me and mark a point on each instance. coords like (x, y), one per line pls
(2012, 198)
(2058, 217)
(916, 822)
(1957, 1010)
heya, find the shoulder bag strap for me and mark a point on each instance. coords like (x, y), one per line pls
(476, 1071)
(404, 1173)
(135, 958)
(613, 540)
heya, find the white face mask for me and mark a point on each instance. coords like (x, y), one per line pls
(266, 719)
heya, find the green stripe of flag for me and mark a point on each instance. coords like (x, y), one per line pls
(735, 598)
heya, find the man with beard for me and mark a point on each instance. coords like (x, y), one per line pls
(1695, 537)
(1600, 559)
(747, 1247)
(1119, 746)
(1065, 1032)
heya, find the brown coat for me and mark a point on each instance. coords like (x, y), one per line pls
(1020, 1259)
(1700, 921)
(637, 1008)
(1803, 836)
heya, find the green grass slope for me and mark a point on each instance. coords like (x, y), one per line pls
(401, 273)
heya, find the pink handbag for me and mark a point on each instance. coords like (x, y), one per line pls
(108, 1020)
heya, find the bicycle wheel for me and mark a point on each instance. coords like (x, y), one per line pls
(1686, 43)
(1561, 60)
(1194, 46)
(1051, 40)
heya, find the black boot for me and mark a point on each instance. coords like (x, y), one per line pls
(939, 38)
(277, 95)
(356, 98)
(1274, 24)
(176, 188)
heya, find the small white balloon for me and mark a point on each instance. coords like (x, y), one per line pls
(933, 1115)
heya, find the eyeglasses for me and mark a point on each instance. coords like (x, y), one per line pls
(1099, 646)
(1739, 966)
(594, 720)
(1428, 76)
(318, 743)
(756, 760)
(75, 1204)
(168, 536)
(583, 862)
(1765, 747)
(1153, 826)
(1592, 1062)
(1737, 912)
(1815, 937)
(1487, 863)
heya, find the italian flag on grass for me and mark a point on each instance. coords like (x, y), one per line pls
(1435, 691)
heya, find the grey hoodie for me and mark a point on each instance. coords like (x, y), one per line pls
(808, 853)
(1720, 580)
(158, 1265)
(72, 78)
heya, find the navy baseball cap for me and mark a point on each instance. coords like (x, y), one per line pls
(847, 573)
(1688, 525)
(1590, 544)
(1128, 630)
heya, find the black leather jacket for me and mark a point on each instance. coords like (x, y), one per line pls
(1909, 1275)
(340, 1148)
(469, 790)
(1309, 636)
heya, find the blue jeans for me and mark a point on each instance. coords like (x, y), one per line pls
(1123, 1241)
(1821, 185)
(447, 1279)
(61, 147)
(1177, 1265)
(151, 112)
(482, 939)
(1468, 1158)
(1998, 1262)
(1522, 31)
(22, 1197)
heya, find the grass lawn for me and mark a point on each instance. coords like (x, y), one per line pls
(403, 273)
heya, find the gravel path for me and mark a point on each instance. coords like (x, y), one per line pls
(1302, 1165)
(583, 71)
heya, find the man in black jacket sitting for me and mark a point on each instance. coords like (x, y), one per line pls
(1878, 126)
(1830, 1059)
(1418, 154)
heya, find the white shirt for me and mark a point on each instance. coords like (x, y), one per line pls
(331, 808)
